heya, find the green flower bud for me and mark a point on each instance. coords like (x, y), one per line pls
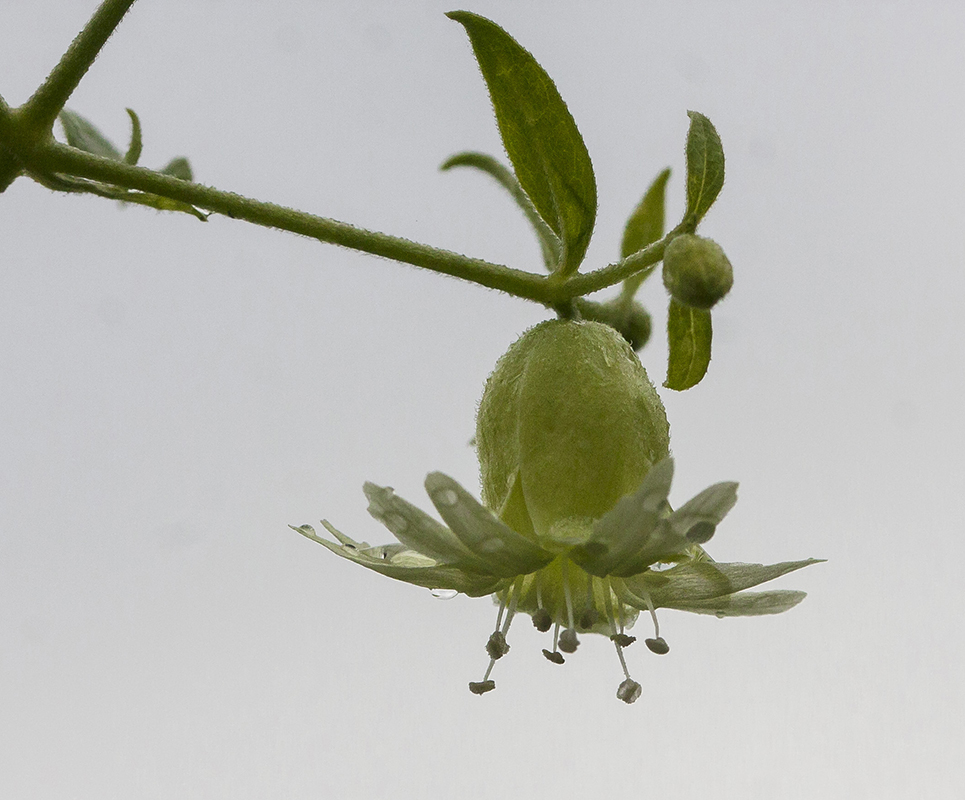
(568, 424)
(696, 271)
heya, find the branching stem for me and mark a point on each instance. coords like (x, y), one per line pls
(40, 111)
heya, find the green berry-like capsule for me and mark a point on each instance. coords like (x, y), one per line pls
(568, 424)
(696, 271)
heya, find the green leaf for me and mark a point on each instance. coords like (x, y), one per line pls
(644, 227)
(548, 241)
(546, 150)
(164, 204)
(134, 149)
(688, 334)
(84, 136)
(705, 166)
(178, 168)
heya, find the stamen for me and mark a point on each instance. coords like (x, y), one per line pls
(568, 641)
(589, 615)
(513, 602)
(566, 593)
(658, 644)
(485, 685)
(556, 657)
(629, 691)
(619, 639)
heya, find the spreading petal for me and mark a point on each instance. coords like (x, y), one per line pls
(745, 604)
(505, 552)
(417, 530)
(396, 561)
(626, 529)
(640, 530)
(689, 586)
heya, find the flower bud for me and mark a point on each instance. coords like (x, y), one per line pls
(696, 271)
(568, 424)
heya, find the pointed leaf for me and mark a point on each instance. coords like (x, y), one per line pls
(505, 552)
(163, 204)
(705, 166)
(689, 334)
(644, 227)
(539, 134)
(82, 134)
(134, 149)
(178, 168)
(548, 241)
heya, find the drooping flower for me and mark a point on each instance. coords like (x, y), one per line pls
(577, 530)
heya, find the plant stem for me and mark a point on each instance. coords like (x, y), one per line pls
(40, 111)
(59, 158)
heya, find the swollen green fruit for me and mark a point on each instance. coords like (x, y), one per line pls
(568, 424)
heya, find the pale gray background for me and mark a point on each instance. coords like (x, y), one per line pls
(174, 394)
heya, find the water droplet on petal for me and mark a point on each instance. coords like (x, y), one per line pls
(443, 594)
(445, 497)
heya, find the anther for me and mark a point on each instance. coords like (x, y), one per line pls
(496, 646)
(481, 687)
(628, 691)
(588, 618)
(622, 639)
(542, 620)
(569, 641)
(554, 655)
(658, 646)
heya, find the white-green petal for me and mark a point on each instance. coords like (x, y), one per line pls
(704, 580)
(405, 565)
(417, 530)
(625, 531)
(745, 604)
(505, 552)
(697, 519)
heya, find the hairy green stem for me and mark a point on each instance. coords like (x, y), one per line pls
(59, 158)
(40, 111)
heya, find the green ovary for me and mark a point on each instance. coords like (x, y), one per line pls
(547, 589)
(568, 424)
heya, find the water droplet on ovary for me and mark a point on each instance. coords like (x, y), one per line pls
(443, 594)
(446, 497)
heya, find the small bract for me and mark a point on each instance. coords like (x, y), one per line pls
(575, 528)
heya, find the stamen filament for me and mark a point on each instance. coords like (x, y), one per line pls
(567, 594)
(514, 593)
